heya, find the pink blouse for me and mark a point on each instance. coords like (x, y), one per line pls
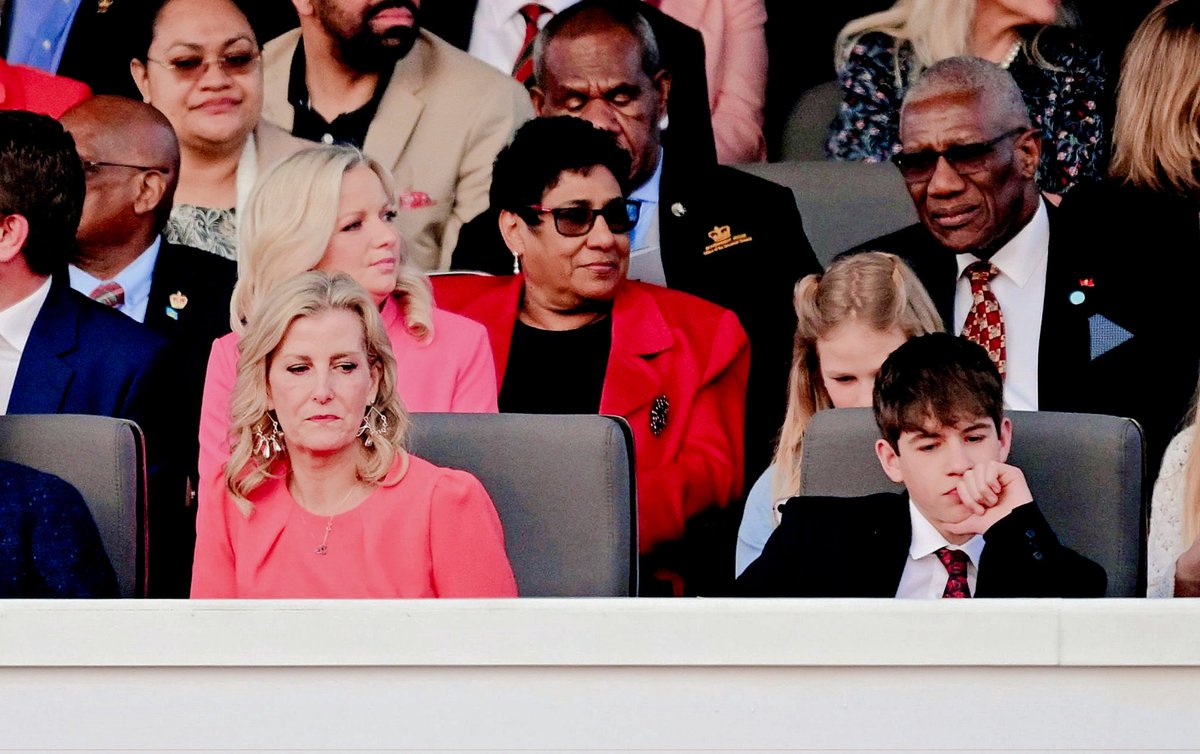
(430, 532)
(452, 372)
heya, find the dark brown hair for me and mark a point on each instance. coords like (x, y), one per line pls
(939, 378)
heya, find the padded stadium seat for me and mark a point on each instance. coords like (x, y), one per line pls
(1086, 472)
(843, 204)
(807, 128)
(563, 486)
(105, 460)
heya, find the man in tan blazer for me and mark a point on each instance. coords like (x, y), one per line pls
(367, 75)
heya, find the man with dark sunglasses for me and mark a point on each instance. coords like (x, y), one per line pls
(1065, 326)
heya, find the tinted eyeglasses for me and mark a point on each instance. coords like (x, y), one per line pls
(92, 167)
(962, 158)
(621, 215)
(193, 67)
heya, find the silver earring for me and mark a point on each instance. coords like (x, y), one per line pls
(268, 444)
(374, 424)
(516, 264)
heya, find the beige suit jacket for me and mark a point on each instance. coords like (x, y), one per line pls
(440, 123)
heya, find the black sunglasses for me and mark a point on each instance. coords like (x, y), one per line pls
(962, 158)
(621, 215)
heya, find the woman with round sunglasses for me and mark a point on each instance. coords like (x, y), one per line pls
(571, 335)
(199, 63)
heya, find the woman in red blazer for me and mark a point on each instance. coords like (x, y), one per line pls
(572, 335)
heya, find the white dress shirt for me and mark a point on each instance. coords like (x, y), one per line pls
(645, 249)
(924, 575)
(134, 279)
(16, 323)
(1020, 290)
(498, 30)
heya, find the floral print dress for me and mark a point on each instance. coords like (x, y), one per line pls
(1067, 102)
(205, 228)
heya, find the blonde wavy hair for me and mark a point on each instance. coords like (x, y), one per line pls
(307, 295)
(287, 224)
(876, 289)
(1156, 132)
(936, 30)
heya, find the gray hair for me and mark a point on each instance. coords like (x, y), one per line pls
(967, 75)
(591, 15)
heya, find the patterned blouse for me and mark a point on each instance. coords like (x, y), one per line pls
(1066, 101)
(213, 230)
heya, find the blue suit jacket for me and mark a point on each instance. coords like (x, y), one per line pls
(84, 358)
(49, 546)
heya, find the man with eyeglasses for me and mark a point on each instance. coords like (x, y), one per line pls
(363, 72)
(1065, 326)
(131, 167)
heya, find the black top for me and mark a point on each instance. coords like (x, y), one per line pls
(347, 128)
(556, 371)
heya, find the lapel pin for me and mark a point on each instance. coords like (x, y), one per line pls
(1087, 283)
(658, 414)
(172, 313)
(1077, 297)
(678, 209)
(103, 5)
(178, 300)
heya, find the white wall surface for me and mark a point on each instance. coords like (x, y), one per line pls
(600, 675)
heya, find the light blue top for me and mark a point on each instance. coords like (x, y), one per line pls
(758, 521)
(39, 32)
(134, 279)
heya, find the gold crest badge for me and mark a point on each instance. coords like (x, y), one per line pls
(177, 300)
(723, 237)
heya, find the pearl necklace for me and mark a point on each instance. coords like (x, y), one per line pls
(1011, 56)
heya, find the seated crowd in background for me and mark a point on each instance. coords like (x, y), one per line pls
(630, 271)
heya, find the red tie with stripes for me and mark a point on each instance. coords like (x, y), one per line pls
(523, 68)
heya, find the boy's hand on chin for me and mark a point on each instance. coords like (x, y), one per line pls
(990, 490)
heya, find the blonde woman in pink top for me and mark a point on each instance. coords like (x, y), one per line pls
(331, 209)
(319, 498)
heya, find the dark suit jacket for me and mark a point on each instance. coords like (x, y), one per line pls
(1075, 371)
(85, 358)
(189, 304)
(680, 46)
(50, 546)
(753, 277)
(99, 45)
(858, 547)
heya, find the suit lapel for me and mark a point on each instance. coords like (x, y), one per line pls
(885, 550)
(1064, 343)
(639, 332)
(400, 108)
(43, 375)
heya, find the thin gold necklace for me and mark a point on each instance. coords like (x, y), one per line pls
(323, 548)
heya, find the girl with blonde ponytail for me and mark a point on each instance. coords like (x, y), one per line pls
(848, 321)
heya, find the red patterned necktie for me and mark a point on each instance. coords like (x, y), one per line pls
(985, 321)
(523, 68)
(109, 294)
(956, 566)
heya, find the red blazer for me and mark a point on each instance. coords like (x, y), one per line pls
(665, 344)
(24, 88)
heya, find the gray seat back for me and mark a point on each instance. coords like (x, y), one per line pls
(843, 204)
(563, 486)
(104, 459)
(807, 128)
(1086, 472)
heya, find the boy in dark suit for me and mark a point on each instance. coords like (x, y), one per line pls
(967, 524)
